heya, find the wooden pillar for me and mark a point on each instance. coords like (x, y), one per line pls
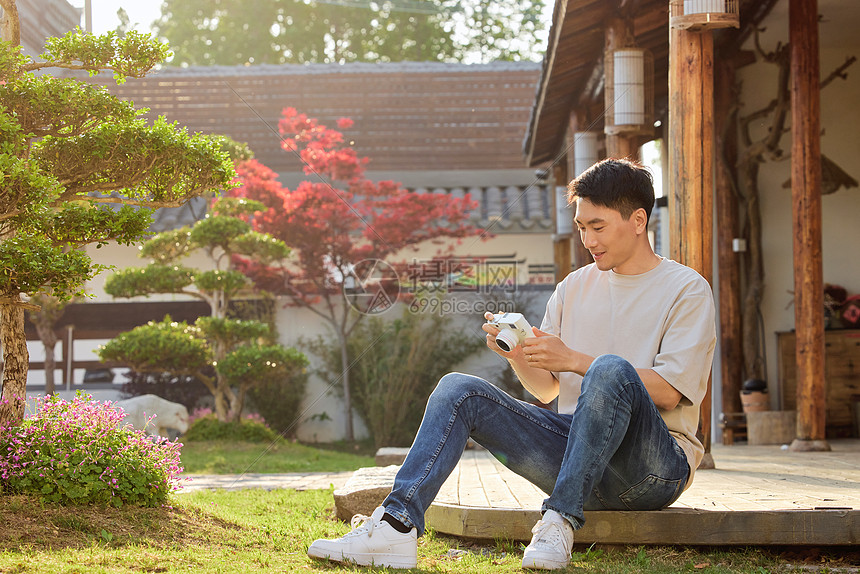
(561, 253)
(580, 255)
(619, 145)
(691, 135)
(727, 229)
(806, 202)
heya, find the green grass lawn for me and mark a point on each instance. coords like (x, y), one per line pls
(269, 531)
(262, 531)
(231, 457)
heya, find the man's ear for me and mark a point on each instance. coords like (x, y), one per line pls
(640, 218)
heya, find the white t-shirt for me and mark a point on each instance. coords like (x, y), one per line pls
(662, 320)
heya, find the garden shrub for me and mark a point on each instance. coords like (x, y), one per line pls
(248, 429)
(279, 398)
(394, 366)
(76, 452)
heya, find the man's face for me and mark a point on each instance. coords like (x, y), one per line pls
(611, 239)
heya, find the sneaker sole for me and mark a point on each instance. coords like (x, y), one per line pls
(544, 564)
(364, 559)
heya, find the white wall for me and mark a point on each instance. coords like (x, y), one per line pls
(296, 325)
(122, 256)
(840, 120)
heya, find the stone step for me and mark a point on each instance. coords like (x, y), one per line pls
(391, 455)
(364, 491)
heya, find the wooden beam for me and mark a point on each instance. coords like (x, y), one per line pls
(727, 229)
(670, 526)
(691, 134)
(806, 205)
(691, 175)
(579, 121)
(561, 255)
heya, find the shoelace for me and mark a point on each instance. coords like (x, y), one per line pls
(360, 523)
(546, 534)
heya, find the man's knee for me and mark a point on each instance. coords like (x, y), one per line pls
(453, 386)
(607, 371)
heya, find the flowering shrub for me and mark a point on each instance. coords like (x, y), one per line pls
(76, 452)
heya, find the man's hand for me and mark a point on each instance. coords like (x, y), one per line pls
(492, 332)
(548, 352)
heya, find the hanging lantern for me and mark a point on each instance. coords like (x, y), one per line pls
(704, 14)
(629, 92)
(586, 151)
(563, 212)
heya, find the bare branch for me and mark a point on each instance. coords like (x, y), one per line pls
(68, 66)
(18, 303)
(839, 72)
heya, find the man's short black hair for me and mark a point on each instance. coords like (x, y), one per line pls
(618, 184)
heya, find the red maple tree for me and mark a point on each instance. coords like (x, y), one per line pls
(343, 228)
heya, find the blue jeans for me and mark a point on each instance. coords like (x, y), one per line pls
(614, 453)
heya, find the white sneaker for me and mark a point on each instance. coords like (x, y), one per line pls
(372, 542)
(551, 544)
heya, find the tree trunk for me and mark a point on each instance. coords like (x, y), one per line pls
(10, 25)
(222, 404)
(726, 228)
(237, 403)
(347, 398)
(16, 361)
(50, 366)
(45, 320)
(754, 266)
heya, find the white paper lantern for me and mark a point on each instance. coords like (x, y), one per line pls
(704, 14)
(629, 76)
(704, 6)
(586, 151)
(563, 212)
(629, 91)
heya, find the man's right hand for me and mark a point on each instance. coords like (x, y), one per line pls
(492, 332)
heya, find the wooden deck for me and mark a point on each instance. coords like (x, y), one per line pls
(757, 495)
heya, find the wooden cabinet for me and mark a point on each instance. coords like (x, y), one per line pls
(841, 372)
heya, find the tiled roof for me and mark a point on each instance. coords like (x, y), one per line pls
(407, 116)
(511, 209)
(43, 18)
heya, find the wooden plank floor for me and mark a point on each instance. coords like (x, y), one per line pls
(756, 495)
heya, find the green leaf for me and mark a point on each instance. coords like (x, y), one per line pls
(154, 278)
(160, 346)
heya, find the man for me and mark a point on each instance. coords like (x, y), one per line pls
(625, 345)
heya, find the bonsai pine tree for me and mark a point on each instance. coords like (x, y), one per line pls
(78, 167)
(242, 352)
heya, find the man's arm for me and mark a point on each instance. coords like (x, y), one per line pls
(548, 353)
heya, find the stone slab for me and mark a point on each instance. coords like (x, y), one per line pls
(364, 491)
(389, 455)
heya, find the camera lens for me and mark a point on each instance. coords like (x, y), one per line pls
(506, 340)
